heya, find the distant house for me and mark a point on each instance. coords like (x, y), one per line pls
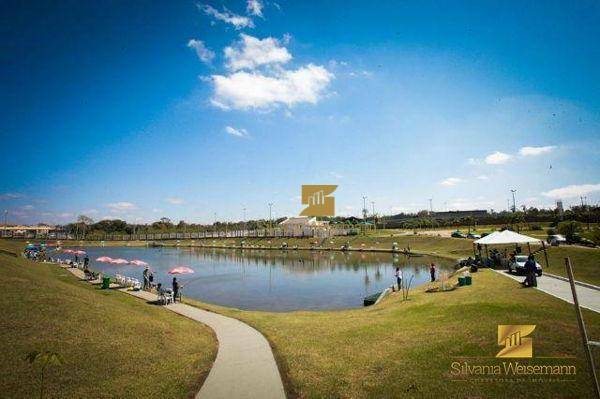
(302, 226)
(26, 231)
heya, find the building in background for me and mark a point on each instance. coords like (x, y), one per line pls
(559, 207)
(27, 231)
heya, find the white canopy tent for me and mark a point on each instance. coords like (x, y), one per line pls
(507, 237)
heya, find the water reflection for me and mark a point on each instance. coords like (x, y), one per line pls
(277, 280)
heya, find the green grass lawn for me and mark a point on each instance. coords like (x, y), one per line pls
(113, 345)
(405, 348)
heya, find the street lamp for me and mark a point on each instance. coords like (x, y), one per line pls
(514, 207)
(270, 216)
(364, 207)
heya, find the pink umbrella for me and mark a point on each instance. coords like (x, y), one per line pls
(68, 251)
(181, 270)
(107, 259)
(138, 262)
(119, 261)
(80, 253)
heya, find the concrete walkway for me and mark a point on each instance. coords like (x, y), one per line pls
(245, 366)
(588, 298)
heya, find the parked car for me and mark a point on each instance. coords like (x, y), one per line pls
(518, 266)
(458, 234)
(473, 236)
(556, 239)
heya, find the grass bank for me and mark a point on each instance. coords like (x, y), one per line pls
(113, 345)
(406, 348)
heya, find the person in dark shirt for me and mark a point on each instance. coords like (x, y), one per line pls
(432, 272)
(86, 262)
(175, 289)
(530, 271)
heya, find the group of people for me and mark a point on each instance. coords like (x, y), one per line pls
(149, 285)
(398, 275)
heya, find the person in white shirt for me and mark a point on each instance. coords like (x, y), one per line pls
(398, 275)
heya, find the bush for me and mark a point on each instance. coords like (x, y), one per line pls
(551, 232)
(595, 236)
(536, 227)
(569, 229)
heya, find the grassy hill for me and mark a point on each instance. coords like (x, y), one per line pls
(113, 345)
(405, 348)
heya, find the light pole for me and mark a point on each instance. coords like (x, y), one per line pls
(5, 232)
(430, 206)
(215, 222)
(270, 217)
(244, 221)
(364, 207)
(514, 207)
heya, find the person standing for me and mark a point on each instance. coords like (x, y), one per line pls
(432, 272)
(175, 289)
(530, 270)
(146, 280)
(86, 262)
(399, 278)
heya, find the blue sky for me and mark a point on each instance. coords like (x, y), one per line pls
(185, 109)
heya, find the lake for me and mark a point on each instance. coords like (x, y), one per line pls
(272, 280)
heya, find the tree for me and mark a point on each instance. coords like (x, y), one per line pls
(569, 229)
(83, 222)
(43, 360)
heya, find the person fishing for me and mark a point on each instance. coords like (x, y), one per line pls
(399, 278)
(145, 274)
(432, 272)
(175, 289)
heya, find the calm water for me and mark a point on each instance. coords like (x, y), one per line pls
(272, 280)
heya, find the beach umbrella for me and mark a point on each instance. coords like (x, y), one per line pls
(79, 253)
(181, 270)
(119, 261)
(68, 251)
(138, 262)
(107, 259)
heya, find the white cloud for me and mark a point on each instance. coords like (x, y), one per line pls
(497, 158)
(251, 52)
(451, 181)
(244, 90)
(239, 132)
(336, 175)
(238, 21)
(525, 151)
(254, 7)
(121, 206)
(10, 196)
(483, 177)
(572, 191)
(204, 53)
(175, 200)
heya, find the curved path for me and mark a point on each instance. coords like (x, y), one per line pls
(245, 366)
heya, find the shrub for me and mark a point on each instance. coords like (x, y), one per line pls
(551, 232)
(569, 229)
(536, 227)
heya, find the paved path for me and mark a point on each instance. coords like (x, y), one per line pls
(588, 298)
(244, 367)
